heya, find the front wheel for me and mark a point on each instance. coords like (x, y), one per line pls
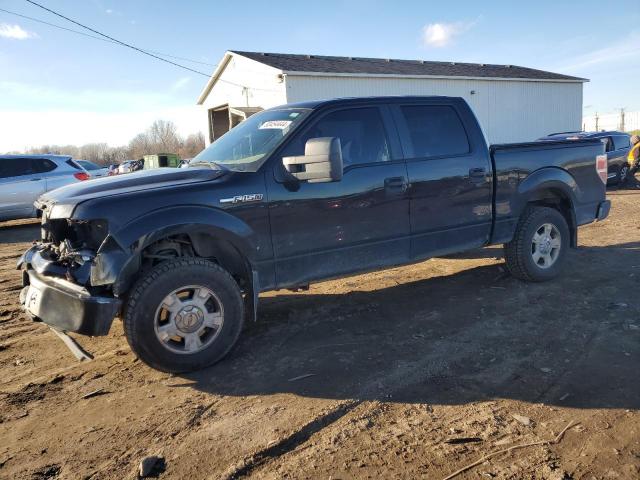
(539, 246)
(184, 315)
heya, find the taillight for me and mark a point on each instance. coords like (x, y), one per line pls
(82, 176)
(601, 167)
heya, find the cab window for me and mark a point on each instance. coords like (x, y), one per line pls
(360, 130)
(434, 131)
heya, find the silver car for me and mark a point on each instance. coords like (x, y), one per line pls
(23, 178)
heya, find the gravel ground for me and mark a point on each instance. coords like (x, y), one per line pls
(413, 372)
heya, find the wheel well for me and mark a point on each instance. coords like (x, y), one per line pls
(201, 245)
(558, 200)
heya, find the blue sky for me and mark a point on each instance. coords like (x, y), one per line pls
(56, 86)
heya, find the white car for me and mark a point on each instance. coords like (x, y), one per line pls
(23, 178)
(127, 166)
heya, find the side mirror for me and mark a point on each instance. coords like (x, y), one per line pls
(321, 162)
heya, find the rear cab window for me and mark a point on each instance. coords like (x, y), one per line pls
(432, 131)
(621, 141)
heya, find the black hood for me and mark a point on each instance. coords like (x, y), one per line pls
(74, 194)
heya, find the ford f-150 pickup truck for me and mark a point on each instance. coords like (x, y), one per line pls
(293, 195)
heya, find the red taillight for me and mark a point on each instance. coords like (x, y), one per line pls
(82, 176)
(601, 167)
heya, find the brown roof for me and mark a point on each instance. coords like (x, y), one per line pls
(380, 66)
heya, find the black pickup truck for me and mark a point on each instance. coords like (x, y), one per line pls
(297, 194)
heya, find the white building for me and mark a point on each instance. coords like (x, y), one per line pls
(512, 103)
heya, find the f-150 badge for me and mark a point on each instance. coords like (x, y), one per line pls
(252, 197)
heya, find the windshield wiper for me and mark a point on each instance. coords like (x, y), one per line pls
(213, 165)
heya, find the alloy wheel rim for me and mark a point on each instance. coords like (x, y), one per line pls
(546, 245)
(623, 172)
(189, 319)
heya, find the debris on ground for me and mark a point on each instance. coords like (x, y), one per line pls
(94, 393)
(150, 466)
(526, 421)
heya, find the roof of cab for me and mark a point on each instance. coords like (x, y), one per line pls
(313, 104)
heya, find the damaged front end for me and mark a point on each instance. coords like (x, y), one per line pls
(68, 275)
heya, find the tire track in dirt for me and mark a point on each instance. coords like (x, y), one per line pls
(442, 361)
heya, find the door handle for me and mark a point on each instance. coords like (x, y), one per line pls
(396, 183)
(477, 175)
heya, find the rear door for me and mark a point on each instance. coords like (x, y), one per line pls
(613, 162)
(617, 157)
(20, 186)
(361, 222)
(450, 198)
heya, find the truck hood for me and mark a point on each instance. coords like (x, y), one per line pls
(60, 203)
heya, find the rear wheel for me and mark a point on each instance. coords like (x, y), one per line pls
(623, 171)
(184, 315)
(539, 246)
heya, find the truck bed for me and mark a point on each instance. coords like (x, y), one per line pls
(517, 166)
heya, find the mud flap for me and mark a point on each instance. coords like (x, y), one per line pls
(255, 291)
(80, 353)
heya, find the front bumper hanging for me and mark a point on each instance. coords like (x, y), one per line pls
(64, 305)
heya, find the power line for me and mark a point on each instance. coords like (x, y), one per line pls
(140, 50)
(124, 44)
(100, 38)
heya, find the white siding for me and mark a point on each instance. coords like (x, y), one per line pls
(244, 83)
(509, 111)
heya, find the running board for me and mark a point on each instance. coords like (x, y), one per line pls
(80, 353)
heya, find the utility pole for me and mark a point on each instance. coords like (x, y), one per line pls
(597, 121)
(622, 119)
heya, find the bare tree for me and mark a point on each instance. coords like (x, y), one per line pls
(192, 145)
(116, 155)
(94, 152)
(140, 145)
(164, 136)
(161, 137)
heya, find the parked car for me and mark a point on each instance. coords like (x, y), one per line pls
(23, 178)
(96, 171)
(129, 166)
(293, 195)
(617, 146)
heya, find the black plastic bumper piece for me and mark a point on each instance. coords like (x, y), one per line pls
(603, 210)
(67, 306)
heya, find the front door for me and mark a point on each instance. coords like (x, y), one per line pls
(323, 230)
(450, 178)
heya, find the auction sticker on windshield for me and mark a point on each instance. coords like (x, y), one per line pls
(276, 124)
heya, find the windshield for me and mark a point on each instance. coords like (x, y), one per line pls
(244, 147)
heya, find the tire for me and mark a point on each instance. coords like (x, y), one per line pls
(623, 172)
(543, 260)
(184, 315)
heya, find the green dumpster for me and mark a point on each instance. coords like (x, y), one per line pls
(161, 160)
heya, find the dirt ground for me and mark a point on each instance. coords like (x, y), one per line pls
(413, 372)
